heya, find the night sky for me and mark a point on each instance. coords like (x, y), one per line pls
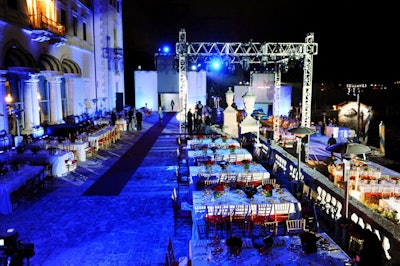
(356, 43)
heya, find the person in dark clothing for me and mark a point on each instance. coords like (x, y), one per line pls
(139, 117)
(189, 119)
(199, 108)
(113, 117)
(331, 140)
(207, 123)
(198, 124)
(131, 121)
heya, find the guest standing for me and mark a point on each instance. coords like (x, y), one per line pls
(139, 117)
(113, 117)
(131, 119)
(160, 115)
(190, 122)
(207, 124)
(331, 140)
(172, 105)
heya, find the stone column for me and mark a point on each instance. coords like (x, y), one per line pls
(230, 124)
(31, 104)
(55, 100)
(3, 104)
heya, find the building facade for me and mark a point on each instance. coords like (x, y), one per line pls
(59, 60)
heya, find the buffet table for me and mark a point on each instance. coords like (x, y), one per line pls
(13, 180)
(285, 250)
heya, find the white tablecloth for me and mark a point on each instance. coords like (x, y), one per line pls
(13, 180)
(96, 136)
(210, 143)
(80, 147)
(56, 159)
(256, 171)
(121, 124)
(285, 251)
(233, 198)
(241, 154)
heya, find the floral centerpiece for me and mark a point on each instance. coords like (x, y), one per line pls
(224, 138)
(246, 164)
(235, 245)
(209, 164)
(267, 190)
(219, 190)
(367, 179)
(204, 148)
(232, 148)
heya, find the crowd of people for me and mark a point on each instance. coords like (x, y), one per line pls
(199, 121)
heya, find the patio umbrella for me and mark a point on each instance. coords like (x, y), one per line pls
(347, 148)
(300, 130)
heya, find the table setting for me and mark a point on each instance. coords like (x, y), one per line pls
(280, 250)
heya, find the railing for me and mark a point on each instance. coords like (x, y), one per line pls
(40, 22)
(329, 198)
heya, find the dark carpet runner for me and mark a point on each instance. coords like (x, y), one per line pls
(114, 180)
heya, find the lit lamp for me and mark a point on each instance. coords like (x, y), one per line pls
(300, 132)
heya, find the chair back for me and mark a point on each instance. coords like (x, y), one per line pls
(295, 226)
(281, 212)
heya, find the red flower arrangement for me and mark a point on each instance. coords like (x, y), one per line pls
(232, 148)
(224, 138)
(209, 162)
(267, 190)
(246, 164)
(268, 187)
(218, 190)
(219, 187)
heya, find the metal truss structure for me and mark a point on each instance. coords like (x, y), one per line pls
(251, 53)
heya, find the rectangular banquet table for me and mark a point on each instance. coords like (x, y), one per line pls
(235, 198)
(220, 143)
(286, 250)
(241, 154)
(56, 158)
(13, 180)
(78, 146)
(236, 171)
(102, 133)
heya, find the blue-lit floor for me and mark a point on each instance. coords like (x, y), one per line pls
(129, 229)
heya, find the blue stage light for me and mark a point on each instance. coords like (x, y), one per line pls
(166, 49)
(216, 64)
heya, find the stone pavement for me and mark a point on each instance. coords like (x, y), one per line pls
(129, 229)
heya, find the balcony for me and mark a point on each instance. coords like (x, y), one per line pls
(45, 29)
